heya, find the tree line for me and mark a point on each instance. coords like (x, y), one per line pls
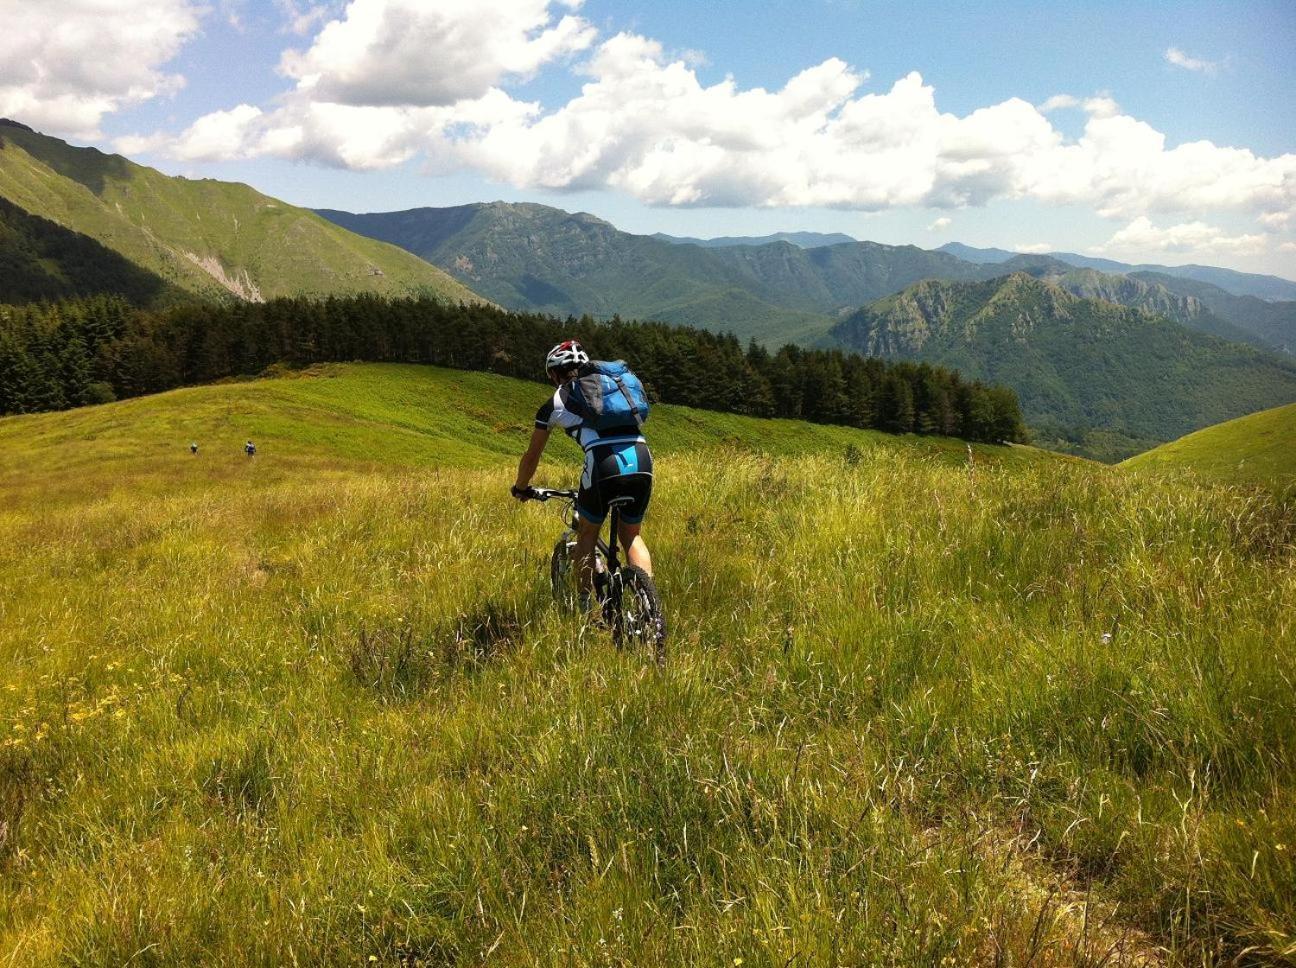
(96, 349)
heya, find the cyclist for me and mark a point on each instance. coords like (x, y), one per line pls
(617, 464)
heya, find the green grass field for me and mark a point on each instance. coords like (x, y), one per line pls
(1256, 449)
(316, 707)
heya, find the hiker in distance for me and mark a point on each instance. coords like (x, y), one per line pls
(602, 406)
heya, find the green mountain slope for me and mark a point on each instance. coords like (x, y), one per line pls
(211, 238)
(40, 259)
(1259, 448)
(1080, 366)
(533, 257)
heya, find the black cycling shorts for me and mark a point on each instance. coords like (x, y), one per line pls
(616, 470)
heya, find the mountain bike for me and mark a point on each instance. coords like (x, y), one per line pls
(625, 593)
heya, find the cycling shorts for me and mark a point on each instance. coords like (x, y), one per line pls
(612, 471)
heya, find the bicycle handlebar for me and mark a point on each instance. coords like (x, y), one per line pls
(545, 493)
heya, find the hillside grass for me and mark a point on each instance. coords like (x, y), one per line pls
(1256, 449)
(315, 707)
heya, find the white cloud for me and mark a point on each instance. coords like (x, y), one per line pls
(1178, 58)
(408, 52)
(1034, 248)
(940, 224)
(391, 80)
(1275, 221)
(1141, 236)
(303, 16)
(65, 64)
(1288, 247)
(1058, 102)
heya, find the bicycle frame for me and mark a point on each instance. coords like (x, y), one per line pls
(610, 548)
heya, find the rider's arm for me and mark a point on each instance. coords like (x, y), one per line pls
(527, 465)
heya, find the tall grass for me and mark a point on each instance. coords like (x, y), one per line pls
(914, 712)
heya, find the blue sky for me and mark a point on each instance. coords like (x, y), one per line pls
(973, 151)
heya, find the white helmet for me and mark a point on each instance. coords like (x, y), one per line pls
(567, 355)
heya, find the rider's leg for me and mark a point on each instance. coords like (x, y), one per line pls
(587, 533)
(636, 550)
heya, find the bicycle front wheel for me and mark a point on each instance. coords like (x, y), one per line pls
(563, 577)
(638, 620)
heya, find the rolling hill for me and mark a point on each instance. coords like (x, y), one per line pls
(1110, 379)
(393, 415)
(1259, 448)
(317, 707)
(210, 238)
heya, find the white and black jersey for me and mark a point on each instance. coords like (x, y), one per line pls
(617, 462)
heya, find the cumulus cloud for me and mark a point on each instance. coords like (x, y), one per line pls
(1188, 237)
(940, 224)
(1178, 58)
(64, 65)
(1034, 248)
(409, 52)
(387, 81)
(1057, 102)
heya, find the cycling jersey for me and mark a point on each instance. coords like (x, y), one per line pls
(617, 463)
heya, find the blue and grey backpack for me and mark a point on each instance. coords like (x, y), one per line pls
(608, 396)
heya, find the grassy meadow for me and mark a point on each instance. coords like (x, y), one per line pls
(316, 708)
(1259, 449)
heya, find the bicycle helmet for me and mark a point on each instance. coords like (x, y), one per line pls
(567, 355)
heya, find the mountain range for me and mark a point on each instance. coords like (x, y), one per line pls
(538, 258)
(1230, 280)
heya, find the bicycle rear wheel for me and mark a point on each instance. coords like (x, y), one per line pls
(563, 577)
(637, 619)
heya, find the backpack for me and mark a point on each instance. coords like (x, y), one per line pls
(608, 396)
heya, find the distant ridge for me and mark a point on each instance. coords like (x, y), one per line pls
(1230, 280)
(802, 240)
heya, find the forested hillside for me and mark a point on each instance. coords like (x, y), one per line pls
(1103, 379)
(1272, 323)
(93, 350)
